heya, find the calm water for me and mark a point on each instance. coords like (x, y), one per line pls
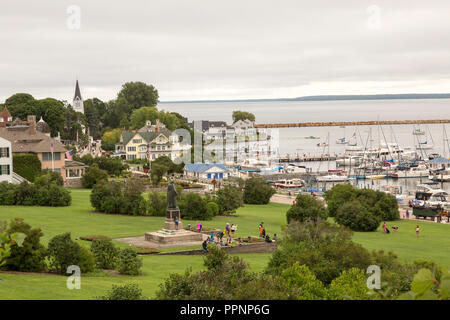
(292, 140)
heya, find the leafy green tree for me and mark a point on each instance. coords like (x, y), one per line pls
(93, 175)
(110, 138)
(242, 115)
(350, 285)
(193, 207)
(63, 252)
(309, 288)
(27, 165)
(105, 253)
(257, 191)
(129, 262)
(94, 111)
(306, 208)
(30, 255)
(157, 204)
(228, 199)
(139, 116)
(138, 94)
(18, 99)
(426, 286)
(357, 217)
(157, 172)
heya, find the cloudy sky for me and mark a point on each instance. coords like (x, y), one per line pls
(209, 49)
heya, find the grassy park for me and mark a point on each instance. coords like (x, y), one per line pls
(80, 220)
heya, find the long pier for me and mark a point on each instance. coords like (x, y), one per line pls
(349, 123)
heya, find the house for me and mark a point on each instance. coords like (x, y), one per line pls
(440, 164)
(6, 164)
(206, 171)
(149, 142)
(26, 138)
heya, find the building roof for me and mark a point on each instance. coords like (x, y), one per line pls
(147, 136)
(23, 141)
(203, 167)
(206, 124)
(77, 92)
(74, 164)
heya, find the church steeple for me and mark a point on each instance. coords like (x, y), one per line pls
(78, 105)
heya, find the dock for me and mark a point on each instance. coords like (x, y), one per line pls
(349, 123)
(309, 158)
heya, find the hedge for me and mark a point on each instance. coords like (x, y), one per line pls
(27, 165)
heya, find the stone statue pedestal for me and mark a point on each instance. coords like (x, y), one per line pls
(171, 214)
(170, 236)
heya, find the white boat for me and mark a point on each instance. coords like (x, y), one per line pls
(341, 141)
(289, 184)
(433, 196)
(292, 168)
(375, 176)
(417, 172)
(425, 146)
(312, 137)
(332, 178)
(441, 175)
(351, 148)
(353, 161)
(418, 132)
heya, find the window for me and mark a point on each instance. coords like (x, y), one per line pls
(4, 169)
(130, 149)
(159, 148)
(47, 156)
(137, 140)
(131, 156)
(4, 152)
(164, 147)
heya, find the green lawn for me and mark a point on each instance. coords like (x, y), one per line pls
(81, 221)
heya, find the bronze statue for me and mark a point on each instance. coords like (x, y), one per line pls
(171, 197)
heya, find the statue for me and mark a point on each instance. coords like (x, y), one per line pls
(172, 197)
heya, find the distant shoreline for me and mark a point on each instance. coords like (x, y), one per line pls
(405, 96)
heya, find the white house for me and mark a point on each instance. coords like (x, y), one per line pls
(6, 162)
(208, 171)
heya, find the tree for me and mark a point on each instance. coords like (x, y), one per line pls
(157, 172)
(350, 285)
(18, 99)
(357, 217)
(110, 138)
(130, 291)
(63, 252)
(94, 111)
(27, 165)
(53, 112)
(242, 115)
(105, 253)
(299, 276)
(157, 205)
(30, 255)
(129, 262)
(257, 191)
(228, 199)
(306, 208)
(93, 175)
(136, 95)
(325, 249)
(193, 207)
(139, 116)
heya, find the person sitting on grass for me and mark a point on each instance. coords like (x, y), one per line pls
(417, 231)
(205, 246)
(275, 238)
(267, 239)
(239, 242)
(395, 228)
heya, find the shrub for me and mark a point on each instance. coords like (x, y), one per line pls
(63, 252)
(350, 285)
(93, 175)
(228, 199)
(193, 207)
(58, 196)
(309, 288)
(157, 204)
(27, 165)
(257, 191)
(30, 256)
(87, 260)
(39, 194)
(212, 209)
(48, 177)
(306, 208)
(92, 238)
(130, 291)
(325, 249)
(357, 217)
(105, 253)
(129, 262)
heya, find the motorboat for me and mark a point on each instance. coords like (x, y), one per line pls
(353, 148)
(432, 195)
(440, 175)
(421, 171)
(289, 184)
(341, 141)
(312, 137)
(425, 146)
(350, 161)
(334, 176)
(293, 168)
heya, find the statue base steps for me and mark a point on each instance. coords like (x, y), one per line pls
(171, 236)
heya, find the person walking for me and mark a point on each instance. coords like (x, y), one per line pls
(407, 214)
(176, 223)
(417, 231)
(384, 227)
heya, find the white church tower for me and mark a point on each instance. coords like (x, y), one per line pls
(78, 100)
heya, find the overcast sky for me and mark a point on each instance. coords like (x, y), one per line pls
(209, 49)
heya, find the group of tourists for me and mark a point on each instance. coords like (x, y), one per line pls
(264, 235)
(395, 228)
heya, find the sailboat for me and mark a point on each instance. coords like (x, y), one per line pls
(341, 141)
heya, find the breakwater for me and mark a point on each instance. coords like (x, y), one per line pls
(349, 123)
